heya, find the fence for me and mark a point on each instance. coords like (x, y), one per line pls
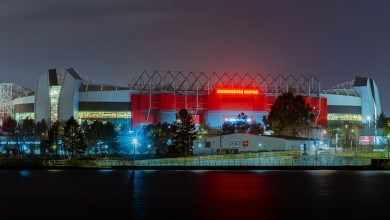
(235, 160)
(262, 161)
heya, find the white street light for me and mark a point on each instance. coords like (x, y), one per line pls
(135, 142)
(369, 122)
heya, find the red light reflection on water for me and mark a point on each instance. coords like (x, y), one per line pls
(236, 196)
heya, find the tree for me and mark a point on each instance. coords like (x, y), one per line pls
(73, 137)
(185, 133)
(100, 136)
(55, 138)
(242, 124)
(347, 134)
(27, 129)
(110, 136)
(256, 129)
(290, 115)
(41, 134)
(26, 132)
(41, 128)
(228, 128)
(205, 129)
(382, 120)
(266, 123)
(9, 125)
(239, 125)
(94, 135)
(160, 137)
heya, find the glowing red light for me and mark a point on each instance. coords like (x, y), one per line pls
(238, 91)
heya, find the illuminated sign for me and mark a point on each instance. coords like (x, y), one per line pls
(366, 140)
(103, 115)
(344, 117)
(238, 91)
(237, 120)
(372, 140)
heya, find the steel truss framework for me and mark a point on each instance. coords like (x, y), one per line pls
(205, 83)
(8, 92)
(346, 88)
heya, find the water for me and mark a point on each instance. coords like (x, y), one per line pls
(194, 194)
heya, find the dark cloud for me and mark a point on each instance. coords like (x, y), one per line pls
(112, 41)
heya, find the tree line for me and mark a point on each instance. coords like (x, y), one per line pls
(290, 115)
(67, 139)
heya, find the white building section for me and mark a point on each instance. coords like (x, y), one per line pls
(239, 142)
(354, 101)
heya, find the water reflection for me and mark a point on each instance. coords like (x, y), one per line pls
(197, 195)
(25, 173)
(235, 195)
(54, 171)
(105, 170)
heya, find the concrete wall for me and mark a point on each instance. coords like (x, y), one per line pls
(371, 103)
(42, 99)
(342, 100)
(105, 96)
(68, 103)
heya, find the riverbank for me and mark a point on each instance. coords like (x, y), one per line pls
(274, 163)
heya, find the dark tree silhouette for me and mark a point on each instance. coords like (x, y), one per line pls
(290, 115)
(185, 133)
(9, 125)
(73, 137)
(160, 137)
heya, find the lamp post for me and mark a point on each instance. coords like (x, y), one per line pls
(323, 133)
(351, 140)
(258, 153)
(369, 123)
(259, 149)
(135, 142)
(347, 136)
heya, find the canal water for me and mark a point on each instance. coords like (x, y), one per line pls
(114, 194)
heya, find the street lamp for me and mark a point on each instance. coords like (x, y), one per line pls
(369, 122)
(351, 139)
(135, 142)
(259, 148)
(258, 153)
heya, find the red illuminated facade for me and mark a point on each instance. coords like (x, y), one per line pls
(221, 105)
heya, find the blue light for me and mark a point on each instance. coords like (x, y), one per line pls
(105, 171)
(25, 173)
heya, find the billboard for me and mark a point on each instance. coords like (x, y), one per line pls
(372, 140)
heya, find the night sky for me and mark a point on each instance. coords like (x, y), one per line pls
(112, 41)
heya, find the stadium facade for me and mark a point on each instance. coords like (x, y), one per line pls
(356, 101)
(212, 98)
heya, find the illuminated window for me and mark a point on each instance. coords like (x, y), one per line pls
(24, 115)
(344, 117)
(54, 94)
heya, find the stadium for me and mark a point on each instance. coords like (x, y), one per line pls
(212, 98)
